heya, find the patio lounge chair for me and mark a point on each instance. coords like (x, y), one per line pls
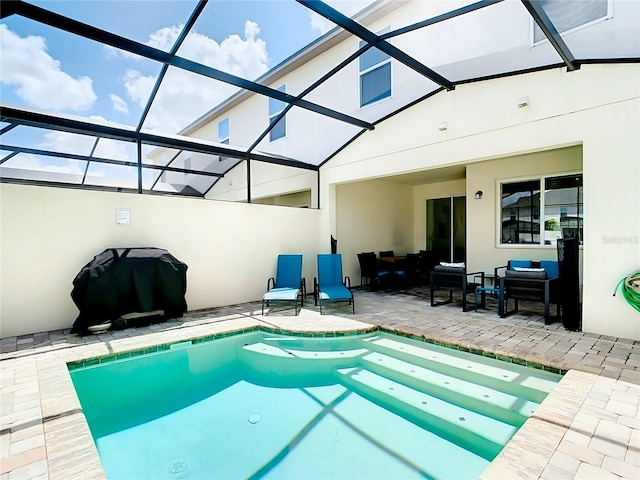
(288, 285)
(330, 285)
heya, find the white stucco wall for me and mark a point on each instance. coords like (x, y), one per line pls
(483, 216)
(267, 180)
(596, 107)
(374, 215)
(48, 234)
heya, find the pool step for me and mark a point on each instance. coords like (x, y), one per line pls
(524, 382)
(305, 354)
(472, 396)
(480, 434)
(280, 366)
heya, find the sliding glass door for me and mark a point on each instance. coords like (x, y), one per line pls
(446, 228)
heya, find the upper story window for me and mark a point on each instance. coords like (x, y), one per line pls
(375, 74)
(570, 15)
(526, 209)
(275, 108)
(223, 134)
(223, 131)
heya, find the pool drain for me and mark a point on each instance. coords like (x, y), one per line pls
(254, 418)
(178, 468)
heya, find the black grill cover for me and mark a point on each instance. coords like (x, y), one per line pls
(127, 280)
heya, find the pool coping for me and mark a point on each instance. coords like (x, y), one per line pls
(71, 449)
(304, 334)
(540, 448)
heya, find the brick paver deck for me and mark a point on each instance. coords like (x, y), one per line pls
(587, 428)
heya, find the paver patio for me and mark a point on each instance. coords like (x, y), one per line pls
(588, 427)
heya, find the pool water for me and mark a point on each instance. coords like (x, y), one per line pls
(261, 405)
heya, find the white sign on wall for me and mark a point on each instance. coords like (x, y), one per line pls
(123, 216)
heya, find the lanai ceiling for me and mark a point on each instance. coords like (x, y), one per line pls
(91, 89)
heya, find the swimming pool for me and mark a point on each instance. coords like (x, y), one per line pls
(264, 405)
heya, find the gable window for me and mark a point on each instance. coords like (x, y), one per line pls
(223, 131)
(534, 216)
(223, 134)
(570, 15)
(375, 74)
(275, 108)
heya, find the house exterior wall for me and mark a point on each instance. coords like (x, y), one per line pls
(49, 234)
(483, 216)
(568, 113)
(267, 180)
(373, 215)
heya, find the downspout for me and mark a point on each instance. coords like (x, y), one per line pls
(248, 180)
(139, 143)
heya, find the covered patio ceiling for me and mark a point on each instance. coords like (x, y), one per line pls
(44, 141)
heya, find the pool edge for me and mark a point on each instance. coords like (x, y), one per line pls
(528, 449)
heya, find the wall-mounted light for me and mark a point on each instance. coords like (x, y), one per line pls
(523, 102)
(478, 194)
(443, 126)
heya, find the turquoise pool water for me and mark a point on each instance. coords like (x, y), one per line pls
(261, 405)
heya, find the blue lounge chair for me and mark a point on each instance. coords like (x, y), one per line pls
(330, 285)
(288, 285)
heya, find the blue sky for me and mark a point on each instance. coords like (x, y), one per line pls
(44, 68)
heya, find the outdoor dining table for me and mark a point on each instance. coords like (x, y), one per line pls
(394, 265)
(394, 259)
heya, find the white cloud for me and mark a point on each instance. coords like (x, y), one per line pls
(118, 104)
(83, 144)
(320, 23)
(38, 78)
(45, 164)
(184, 96)
(65, 142)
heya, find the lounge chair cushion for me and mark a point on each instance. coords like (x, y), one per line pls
(283, 293)
(335, 292)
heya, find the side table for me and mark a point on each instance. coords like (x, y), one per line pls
(493, 290)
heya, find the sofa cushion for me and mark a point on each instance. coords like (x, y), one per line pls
(551, 267)
(528, 275)
(447, 269)
(519, 263)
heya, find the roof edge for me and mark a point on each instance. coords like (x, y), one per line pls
(367, 15)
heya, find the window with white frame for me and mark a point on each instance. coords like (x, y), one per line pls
(375, 74)
(275, 108)
(540, 211)
(570, 15)
(223, 134)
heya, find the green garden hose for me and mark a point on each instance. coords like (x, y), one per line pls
(630, 289)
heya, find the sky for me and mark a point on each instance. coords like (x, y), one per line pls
(51, 70)
(59, 72)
